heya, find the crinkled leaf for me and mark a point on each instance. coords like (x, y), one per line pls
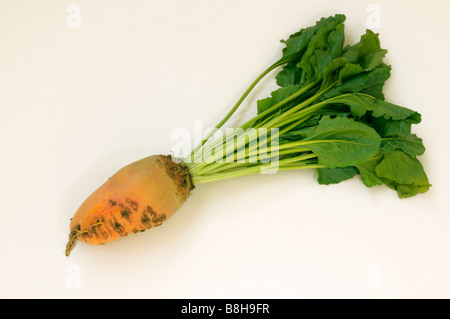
(405, 190)
(411, 145)
(341, 142)
(298, 42)
(367, 52)
(349, 70)
(404, 174)
(333, 72)
(320, 44)
(330, 75)
(394, 128)
(325, 46)
(360, 104)
(371, 82)
(344, 132)
(289, 75)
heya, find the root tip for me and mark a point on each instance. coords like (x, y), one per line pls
(71, 243)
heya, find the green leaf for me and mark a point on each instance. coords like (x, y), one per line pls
(395, 128)
(374, 82)
(289, 75)
(276, 97)
(341, 142)
(411, 145)
(360, 104)
(405, 190)
(364, 72)
(335, 175)
(367, 52)
(333, 72)
(297, 135)
(367, 171)
(404, 174)
(371, 82)
(301, 131)
(388, 119)
(325, 46)
(348, 71)
(298, 42)
(338, 119)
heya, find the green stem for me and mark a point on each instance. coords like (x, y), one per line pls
(238, 144)
(277, 106)
(200, 168)
(213, 167)
(287, 117)
(220, 167)
(235, 107)
(249, 171)
(252, 121)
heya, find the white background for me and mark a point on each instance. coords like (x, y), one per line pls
(78, 104)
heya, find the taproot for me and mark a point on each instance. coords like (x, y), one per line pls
(139, 196)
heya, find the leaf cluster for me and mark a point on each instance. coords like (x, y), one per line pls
(331, 115)
(335, 94)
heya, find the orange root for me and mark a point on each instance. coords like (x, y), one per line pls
(140, 196)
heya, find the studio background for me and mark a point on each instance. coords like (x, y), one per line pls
(87, 87)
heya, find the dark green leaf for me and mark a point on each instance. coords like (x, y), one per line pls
(360, 104)
(395, 128)
(335, 175)
(298, 42)
(325, 46)
(367, 52)
(411, 145)
(333, 72)
(289, 75)
(276, 97)
(371, 82)
(348, 71)
(341, 142)
(301, 131)
(347, 125)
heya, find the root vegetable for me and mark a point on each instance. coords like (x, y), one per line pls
(140, 196)
(329, 114)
